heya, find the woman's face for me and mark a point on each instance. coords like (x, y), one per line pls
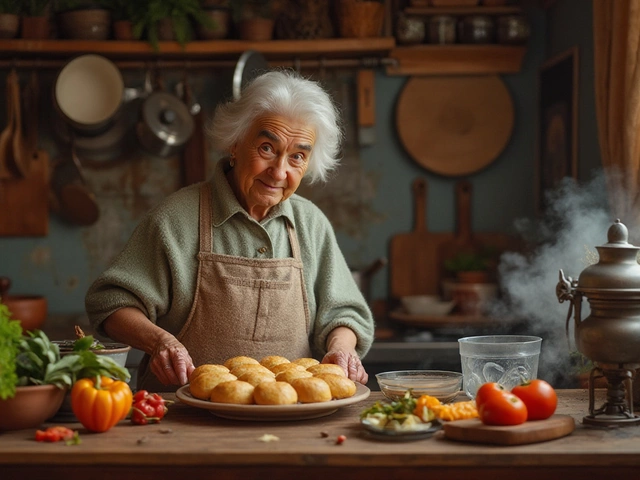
(270, 162)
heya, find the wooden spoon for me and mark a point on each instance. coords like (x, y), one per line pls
(7, 134)
(20, 157)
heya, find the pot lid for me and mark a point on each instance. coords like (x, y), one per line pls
(168, 118)
(617, 268)
(455, 125)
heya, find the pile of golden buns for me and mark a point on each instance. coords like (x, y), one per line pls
(274, 380)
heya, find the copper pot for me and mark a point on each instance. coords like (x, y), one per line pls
(30, 310)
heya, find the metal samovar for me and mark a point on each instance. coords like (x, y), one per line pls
(610, 335)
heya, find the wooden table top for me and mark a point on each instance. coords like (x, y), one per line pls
(192, 441)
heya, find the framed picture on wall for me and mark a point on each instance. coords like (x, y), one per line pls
(557, 123)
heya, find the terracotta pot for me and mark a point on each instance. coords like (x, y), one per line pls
(30, 407)
(36, 28)
(165, 30)
(256, 29)
(30, 310)
(220, 19)
(123, 30)
(89, 24)
(477, 276)
(9, 24)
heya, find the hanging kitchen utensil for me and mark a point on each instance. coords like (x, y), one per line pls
(89, 92)
(6, 135)
(24, 202)
(165, 124)
(76, 202)
(414, 263)
(195, 153)
(31, 105)
(21, 162)
(455, 125)
(366, 113)
(250, 65)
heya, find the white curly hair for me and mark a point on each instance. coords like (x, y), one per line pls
(288, 94)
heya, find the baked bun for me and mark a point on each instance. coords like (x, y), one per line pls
(341, 387)
(281, 367)
(204, 383)
(233, 362)
(312, 390)
(251, 367)
(275, 393)
(291, 374)
(273, 360)
(207, 367)
(326, 368)
(254, 378)
(306, 362)
(236, 391)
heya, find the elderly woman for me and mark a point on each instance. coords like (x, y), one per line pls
(240, 265)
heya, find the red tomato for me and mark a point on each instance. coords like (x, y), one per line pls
(486, 391)
(503, 409)
(539, 397)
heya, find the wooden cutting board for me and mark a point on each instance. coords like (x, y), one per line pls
(454, 125)
(413, 259)
(474, 431)
(24, 202)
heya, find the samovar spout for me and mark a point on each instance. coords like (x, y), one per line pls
(566, 291)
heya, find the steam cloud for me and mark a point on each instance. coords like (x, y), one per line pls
(576, 221)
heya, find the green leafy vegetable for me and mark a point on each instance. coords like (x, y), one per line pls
(399, 410)
(10, 336)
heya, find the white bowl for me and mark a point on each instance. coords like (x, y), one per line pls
(443, 385)
(426, 305)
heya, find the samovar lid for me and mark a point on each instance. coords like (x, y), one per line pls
(617, 268)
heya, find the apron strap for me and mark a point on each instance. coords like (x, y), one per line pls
(293, 240)
(205, 217)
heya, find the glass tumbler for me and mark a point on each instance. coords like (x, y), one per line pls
(506, 359)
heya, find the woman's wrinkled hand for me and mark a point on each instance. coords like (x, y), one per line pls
(350, 363)
(171, 362)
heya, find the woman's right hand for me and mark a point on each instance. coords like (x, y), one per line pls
(171, 362)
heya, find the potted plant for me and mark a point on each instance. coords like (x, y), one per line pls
(169, 20)
(255, 19)
(35, 19)
(9, 19)
(83, 19)
(470, 266)
(220, 14)
(35, 378)
(123, 15)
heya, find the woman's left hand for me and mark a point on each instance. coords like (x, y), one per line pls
(350, 362)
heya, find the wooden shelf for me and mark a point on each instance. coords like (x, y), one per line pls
(456, 59)
(335, 47)
(427, 11)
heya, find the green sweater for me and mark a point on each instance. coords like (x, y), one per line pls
(156, 271)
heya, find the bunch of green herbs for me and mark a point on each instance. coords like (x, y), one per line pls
(32, 359)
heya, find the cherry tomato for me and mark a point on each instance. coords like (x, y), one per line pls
(539, 397)
(487, 391)
(503, 408)
(148, 408)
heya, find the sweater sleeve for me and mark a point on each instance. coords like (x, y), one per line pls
(155, 272)
(338, 300)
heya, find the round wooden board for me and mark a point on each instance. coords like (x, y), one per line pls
(455, 125)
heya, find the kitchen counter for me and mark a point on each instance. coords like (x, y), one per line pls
(192, 443)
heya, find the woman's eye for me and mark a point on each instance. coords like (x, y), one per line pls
(266, 148)
(298, 159)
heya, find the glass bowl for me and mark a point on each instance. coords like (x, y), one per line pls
(443, 385)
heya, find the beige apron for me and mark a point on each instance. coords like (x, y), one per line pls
(242, 306)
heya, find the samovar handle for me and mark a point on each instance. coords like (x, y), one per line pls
(566, 290)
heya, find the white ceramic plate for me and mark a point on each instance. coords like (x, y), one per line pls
(402, 435)
(299, 411)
